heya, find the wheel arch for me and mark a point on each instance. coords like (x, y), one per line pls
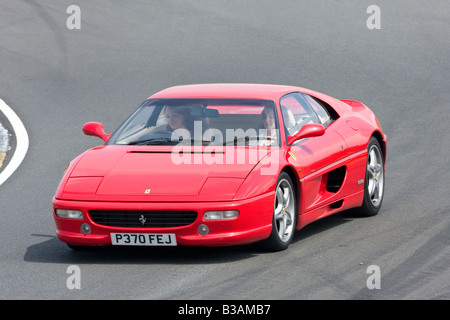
(382, 141)
(297, 187)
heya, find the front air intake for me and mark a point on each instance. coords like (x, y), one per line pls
(143, 219)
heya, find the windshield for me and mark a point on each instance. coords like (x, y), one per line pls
(226, 122)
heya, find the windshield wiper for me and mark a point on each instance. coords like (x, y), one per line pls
(245, 141)
(168, 141)
(197, 142)
(152, 141)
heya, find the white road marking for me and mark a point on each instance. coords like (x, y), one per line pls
(21, 141)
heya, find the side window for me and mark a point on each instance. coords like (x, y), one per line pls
(296, 112)
(321, 112)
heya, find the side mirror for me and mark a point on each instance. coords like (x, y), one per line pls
(95, 129)
(307, 131)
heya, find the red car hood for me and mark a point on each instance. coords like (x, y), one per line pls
(156, 173)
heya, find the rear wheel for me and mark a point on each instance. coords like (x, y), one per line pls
(284, 217)
(374, 180)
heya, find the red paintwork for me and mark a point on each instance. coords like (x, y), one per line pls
(114, 176)
(307, 131)
(95, 129)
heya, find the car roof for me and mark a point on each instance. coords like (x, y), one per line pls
(244, 91)
(226, 91)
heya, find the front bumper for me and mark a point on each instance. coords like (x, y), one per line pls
(254, 222)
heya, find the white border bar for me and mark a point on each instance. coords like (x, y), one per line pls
(22, 141)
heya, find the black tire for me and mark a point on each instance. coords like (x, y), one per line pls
(374, 181)
(284, 219)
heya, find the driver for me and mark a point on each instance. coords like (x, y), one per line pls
(179, 118)
(268, 121)
(179, 121)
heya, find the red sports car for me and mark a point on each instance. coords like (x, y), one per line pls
(222, 164)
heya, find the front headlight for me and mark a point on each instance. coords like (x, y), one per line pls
(221, 215)
(69, 214)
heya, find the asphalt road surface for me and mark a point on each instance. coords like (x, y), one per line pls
(57, 78)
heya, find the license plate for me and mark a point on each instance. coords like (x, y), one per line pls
(143, 239)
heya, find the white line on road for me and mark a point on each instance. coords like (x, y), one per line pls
(21, 141)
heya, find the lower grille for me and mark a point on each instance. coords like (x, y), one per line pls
(143, 219)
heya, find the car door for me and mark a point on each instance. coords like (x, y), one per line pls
(318, 157)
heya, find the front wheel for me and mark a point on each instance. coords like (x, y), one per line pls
(284, 217)
(374, 180)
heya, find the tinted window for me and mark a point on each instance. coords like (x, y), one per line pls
(297, 112)
(321, 112)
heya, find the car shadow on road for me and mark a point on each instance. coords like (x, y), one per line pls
(52, 250)
(323, 225)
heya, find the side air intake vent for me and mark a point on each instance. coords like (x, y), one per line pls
(335, 179)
